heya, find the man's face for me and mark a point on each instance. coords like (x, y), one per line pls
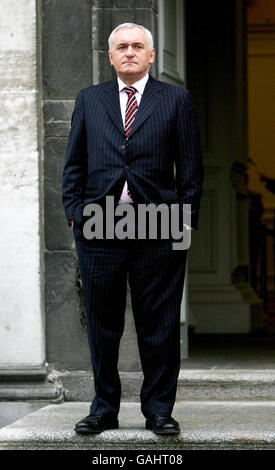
(130, 55)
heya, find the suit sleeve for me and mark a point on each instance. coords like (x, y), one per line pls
(74, 174)
(188, 161)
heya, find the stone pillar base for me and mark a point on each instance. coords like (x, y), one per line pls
(28, 383)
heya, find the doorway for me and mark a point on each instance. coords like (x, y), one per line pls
(221, 76)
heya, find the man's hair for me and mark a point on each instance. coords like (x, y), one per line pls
(111, 39)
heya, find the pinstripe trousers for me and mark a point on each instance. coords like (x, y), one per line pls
(156, 279)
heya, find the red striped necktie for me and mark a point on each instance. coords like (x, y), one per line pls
(131, 109)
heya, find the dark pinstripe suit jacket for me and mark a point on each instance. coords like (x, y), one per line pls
(98, 158)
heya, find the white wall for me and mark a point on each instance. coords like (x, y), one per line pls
(21, 319)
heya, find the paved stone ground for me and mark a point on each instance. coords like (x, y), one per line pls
(204, 425)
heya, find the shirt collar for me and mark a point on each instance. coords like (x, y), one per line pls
(139, 85)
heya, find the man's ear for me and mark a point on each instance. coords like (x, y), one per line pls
(152, 56)
(110, 57)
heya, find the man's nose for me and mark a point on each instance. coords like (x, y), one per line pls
(130, 51)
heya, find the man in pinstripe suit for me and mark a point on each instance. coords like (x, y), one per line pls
(126, 136)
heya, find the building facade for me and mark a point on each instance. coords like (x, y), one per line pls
(49, 51)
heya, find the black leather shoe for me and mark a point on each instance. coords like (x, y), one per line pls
(162, 424)
(94, 424)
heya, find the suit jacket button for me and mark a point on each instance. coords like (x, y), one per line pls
(126, 167)
(123, 147)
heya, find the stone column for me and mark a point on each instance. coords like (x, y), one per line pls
(22, 344)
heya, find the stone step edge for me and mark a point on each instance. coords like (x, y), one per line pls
(189, 375)
(195, 376)
(215, 383)
(236, 444)
(24, 374)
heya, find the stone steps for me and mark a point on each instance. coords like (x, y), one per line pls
(238, 424)
(199, 384)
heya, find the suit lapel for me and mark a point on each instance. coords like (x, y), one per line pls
(150, 99)
(110, 99)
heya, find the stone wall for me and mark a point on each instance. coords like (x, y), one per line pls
(66, 68)
(74, 56)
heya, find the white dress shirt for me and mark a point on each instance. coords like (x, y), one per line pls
(123, 98)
